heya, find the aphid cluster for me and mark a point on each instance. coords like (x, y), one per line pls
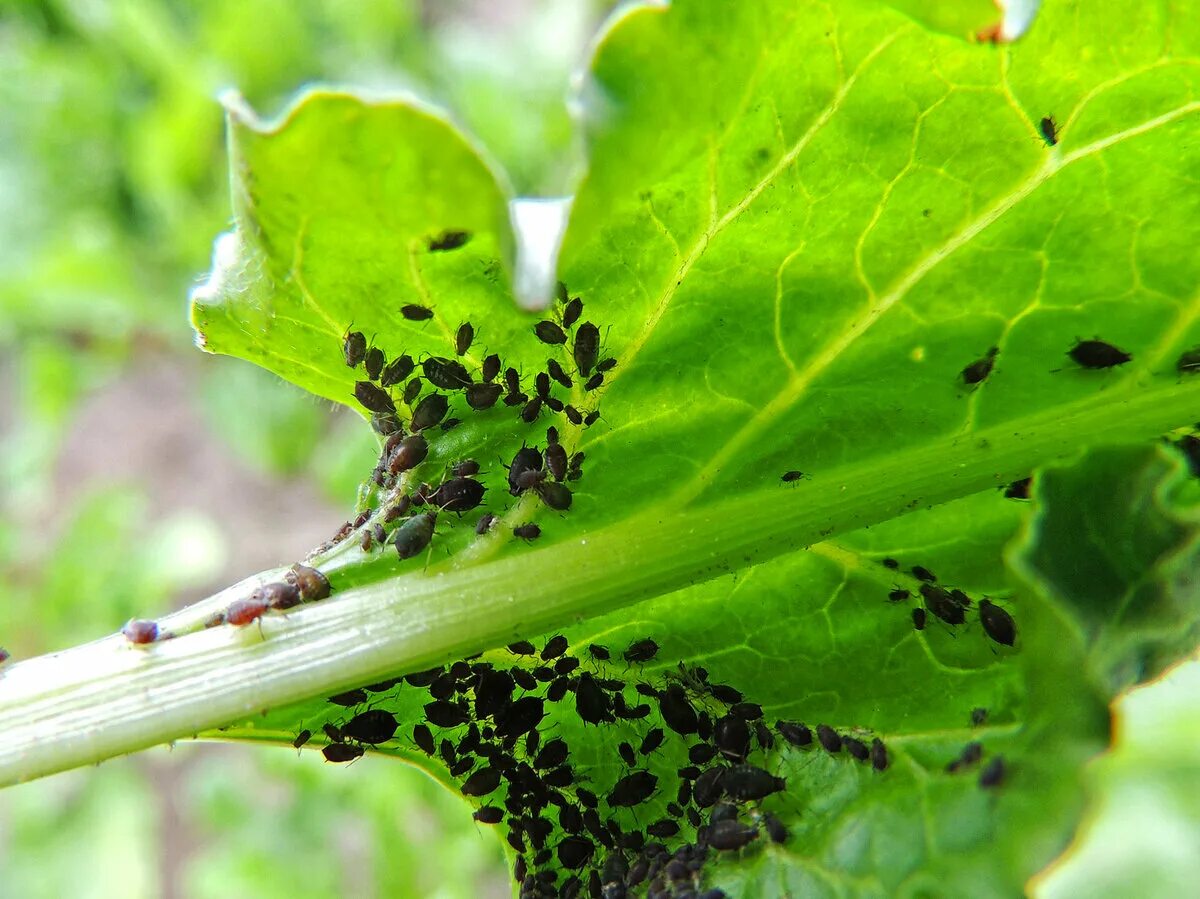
(1093, 354)
(951, 605)
(487, 721)
(409, 512)
(300, 584)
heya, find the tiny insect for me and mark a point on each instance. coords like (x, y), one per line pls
(923, 574)
(598, 652)
(448, 374)
(790, 477)
(594, 381)
(280, 595)
(998, 624)
(372, 726)
(775, 828)
(571, 313)
(550, 333)
(794, 732)
(341, 752)
(137, 631)
(898, 595)
(374, 362)
(979, 369)
(409, 452)
(606, 364)
(489, 814)
(416, 313)
(940, 603)
(531, 410)
(1018, 489)
(573, 415)
(632, 789)
(414, 535)
(856, 748)
(349, 698)
(463, 338)
(556, 496)
(244, 611)
(918, 619)
(412, 390)
(1049, 129)
(458, 495)
(1097, 354)
(528, 531)
(554, 648)
(1188, 361)
(993, 773)
(556, 459)
(423, 737)
(591, 418)
(830, 740)
(448, 240)
(641, 651)
(748, 782)
(354, 348)
(587, 348)
(879, 755)
(309, 581)
(431, 410)
(373, 398)
(627, 755)
(677, 712)
(301, 738)
(979, 716)
(396, 371)
(558, 374)
(485, 523)
(890, 563)
(541, 384)
(483, 396)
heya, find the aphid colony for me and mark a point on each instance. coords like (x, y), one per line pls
(950, 605)
(300, 584)
(1089, 354)
(410, 511)
(642, 827)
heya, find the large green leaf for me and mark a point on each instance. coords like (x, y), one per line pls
(798, 227)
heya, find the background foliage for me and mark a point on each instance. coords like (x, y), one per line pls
(94, 261)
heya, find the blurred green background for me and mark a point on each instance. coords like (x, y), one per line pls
(137, 473)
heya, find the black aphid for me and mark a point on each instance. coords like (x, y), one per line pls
(528, 459)
(572, 312)
(890, 563)
(541, 384)
(1096, 354)
(676, 710)
(708, 789)
(940, 603)
(489, 814)
(641, 651)
(587, 348)
(555, 647)
(408, 454)
(552, 755)
(591, 418)
(139, 631)
(423, 737)
(527, 531)
(412, 390)
(701, 754)
(483, 396)
(1188, 361)
(1049, 129)
(1018, 489)
(663, 829)
(923, 574)
(980, 368)
(790, 477)
(414, 535)
(856, 748)
(918, 619)
(374, 362)
(998, 624)
(385, 423)
(341, 752)
(652, 741)
(794, 732)
(481, 783)
(334, 733)
(349, 698)
(521, 717)
(531, 410)
(594, 381)
(979, 716)
(574, 852)
(747, 782)
(416, 313)
(448, 374)
(725, 693)
(354, 348)
(372, 726)
(830, 739)
(555, 495)
(898, 595)
(993, 773)
(598, 652)
(373, 398)
(549, 332)
(632, 789)
(396, 371)
(301, 738)
(556, 461)
(731, 735)
(730, 835)
(556, 372)
(879, 755)
(444, 713)
(429, 411)
(449, 240)
(591, 702)
(573, 415)
(749, 711)
(627, 754)
(458, 495)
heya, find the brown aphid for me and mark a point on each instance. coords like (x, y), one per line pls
(555, 495)
(311, 583)
(408, 454)
(396, 371)
(412, 390)
(416, 313)
(246, 611)
(373, 398)
(483, 396)
(354, 348)
(374, 362)
(280, 595)
(1049, 129)
(137, 631)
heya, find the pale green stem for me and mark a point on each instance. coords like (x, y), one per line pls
(106, 698)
